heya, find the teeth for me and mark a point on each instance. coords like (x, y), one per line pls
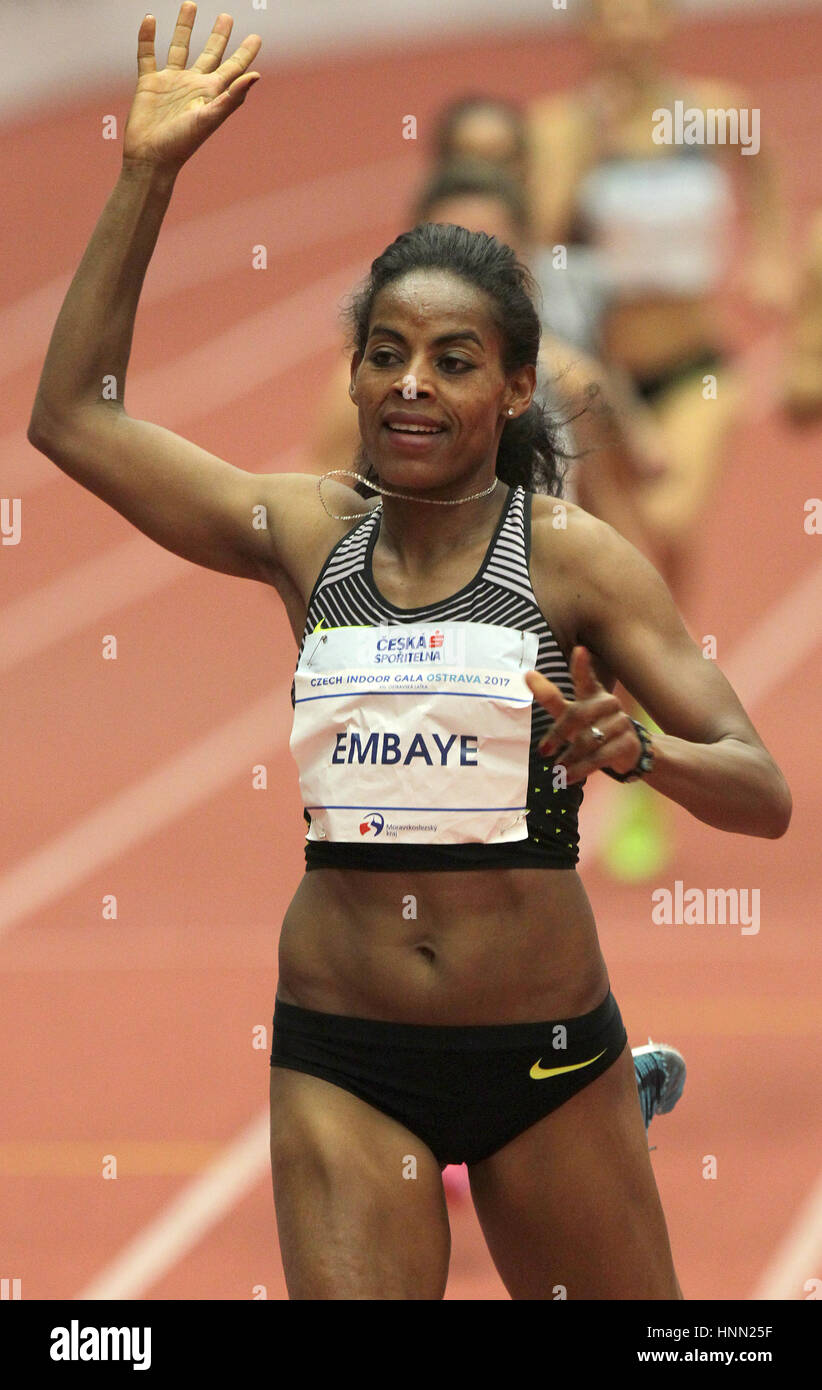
(415, 429)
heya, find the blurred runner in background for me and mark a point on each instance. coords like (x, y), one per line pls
(646, 225)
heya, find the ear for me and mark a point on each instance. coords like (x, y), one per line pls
(355, 362)
(521, 386)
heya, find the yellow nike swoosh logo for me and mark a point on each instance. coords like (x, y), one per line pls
(539, 1073)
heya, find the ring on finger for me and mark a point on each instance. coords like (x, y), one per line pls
(597, 733)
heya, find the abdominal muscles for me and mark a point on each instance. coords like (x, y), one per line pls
(461, 948)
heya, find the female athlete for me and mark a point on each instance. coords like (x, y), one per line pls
(442, 995)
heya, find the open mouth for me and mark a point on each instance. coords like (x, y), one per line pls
(415, 429)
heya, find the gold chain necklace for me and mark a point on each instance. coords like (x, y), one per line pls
(404, 496)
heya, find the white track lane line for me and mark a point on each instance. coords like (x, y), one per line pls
(799, 1256)
(141, 809)
(130, 1275)
(96, 588)
(73, 601)
(789, 631)
(180, 1226)
(287, 220)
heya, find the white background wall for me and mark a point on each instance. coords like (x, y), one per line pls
(50, 46)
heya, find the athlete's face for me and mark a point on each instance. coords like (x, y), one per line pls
(434, 357)
(629, 33)
(487, 134)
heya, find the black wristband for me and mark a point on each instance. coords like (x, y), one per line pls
(646, 758)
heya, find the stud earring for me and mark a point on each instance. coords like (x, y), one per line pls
(510, 410)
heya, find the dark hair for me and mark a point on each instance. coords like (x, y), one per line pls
(473, 178)
(456, 111)
(530, 453)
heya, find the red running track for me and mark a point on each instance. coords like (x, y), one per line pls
(135, 1037)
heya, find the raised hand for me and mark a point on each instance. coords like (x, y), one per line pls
(594, 709)
(175, 109)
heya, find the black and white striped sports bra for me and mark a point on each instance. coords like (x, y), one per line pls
(345, 596)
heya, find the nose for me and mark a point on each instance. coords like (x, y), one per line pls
(412, 383)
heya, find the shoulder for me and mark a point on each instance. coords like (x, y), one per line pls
(606, 594)
(568, 568)
(597, 571)
(707, 92)
(563, 533)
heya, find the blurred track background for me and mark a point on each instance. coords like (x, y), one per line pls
(146, 1037)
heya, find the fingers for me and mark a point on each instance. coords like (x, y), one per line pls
(239, 89)
(580, 750)
(546, 693)
(571, 715)
(215, 112)
(145, 46)
(240, 59)
(211, 58)
(580, 716)
(582, 673)
(178, 48)
(620, 749)
(212, 54)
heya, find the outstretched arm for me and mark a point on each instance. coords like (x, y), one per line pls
(181, 496)
(710, 758)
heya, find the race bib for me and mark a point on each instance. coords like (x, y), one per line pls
(414, 734)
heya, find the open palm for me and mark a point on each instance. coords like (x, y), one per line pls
(175, 109)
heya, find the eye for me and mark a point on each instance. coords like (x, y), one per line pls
(460, 361)
(381, 353)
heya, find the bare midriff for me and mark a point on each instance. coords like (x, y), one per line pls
(648, 334)
(464, 948)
